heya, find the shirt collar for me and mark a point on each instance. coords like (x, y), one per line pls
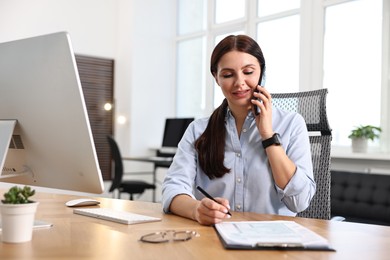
(229, 114)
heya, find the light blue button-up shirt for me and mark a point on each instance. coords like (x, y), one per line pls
(249, 186)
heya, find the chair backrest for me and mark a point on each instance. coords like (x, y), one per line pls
(117, 158)
(312, 106)
(174, 130)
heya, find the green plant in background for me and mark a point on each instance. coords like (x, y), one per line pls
(17, 195)
(366, 131)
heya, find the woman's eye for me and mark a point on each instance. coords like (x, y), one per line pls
(227, 76)
(248, 72)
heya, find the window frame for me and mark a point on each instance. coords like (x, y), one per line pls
(312, 17)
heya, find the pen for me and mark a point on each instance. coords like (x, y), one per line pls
(209, 196)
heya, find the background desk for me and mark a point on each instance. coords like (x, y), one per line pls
(158, 161)
(79, 237)
(166, 161)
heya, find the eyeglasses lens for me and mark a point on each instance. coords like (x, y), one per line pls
(182, 235)
(160, 237)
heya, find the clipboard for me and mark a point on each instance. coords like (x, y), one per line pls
(270, 235)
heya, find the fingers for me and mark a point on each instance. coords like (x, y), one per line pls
(262, 94)
(210, 212)
(264, 119)
(225, 203)
(262, 99)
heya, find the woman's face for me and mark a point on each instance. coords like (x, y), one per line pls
(238, 74)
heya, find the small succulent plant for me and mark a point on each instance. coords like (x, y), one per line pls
(17, 195)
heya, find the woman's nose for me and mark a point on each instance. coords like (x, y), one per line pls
(240, 81)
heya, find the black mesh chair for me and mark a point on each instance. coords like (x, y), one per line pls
(128, 186)
(312, 106)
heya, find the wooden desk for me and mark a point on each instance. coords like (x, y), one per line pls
(79, 237)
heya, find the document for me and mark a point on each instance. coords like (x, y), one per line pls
(287, 235)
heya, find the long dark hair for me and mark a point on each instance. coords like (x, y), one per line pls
(211, 144)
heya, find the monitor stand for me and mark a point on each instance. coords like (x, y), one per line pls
(6, 130)
(12, 152)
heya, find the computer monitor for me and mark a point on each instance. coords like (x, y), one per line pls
(174, 130)
(45, 135)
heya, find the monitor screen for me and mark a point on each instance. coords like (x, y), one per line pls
(46, 139)
(174, 130)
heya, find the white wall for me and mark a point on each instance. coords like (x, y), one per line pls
(89, 22)
(152, 77)
(138, 35)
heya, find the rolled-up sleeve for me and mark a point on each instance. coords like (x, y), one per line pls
(181, 174)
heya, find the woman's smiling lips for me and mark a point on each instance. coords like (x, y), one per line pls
(242, 93)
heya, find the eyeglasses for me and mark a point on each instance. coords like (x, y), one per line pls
(169, 235)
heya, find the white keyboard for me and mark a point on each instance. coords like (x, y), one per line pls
(115, 215)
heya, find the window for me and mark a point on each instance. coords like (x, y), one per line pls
(334, 44)
(229, 10)
(279, 40)
(190, 79)
(191, 16)
(352, 65)
(190, 61)
(267, 7)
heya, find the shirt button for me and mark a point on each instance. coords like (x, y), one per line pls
(244, 130)
(238, 206)
(239, 180)
(238, 154)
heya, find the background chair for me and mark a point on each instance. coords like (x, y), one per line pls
(312, 106)
(128, 186)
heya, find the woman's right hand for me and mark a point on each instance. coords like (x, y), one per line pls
(209, 212)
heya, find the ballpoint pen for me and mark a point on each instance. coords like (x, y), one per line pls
(209, 196)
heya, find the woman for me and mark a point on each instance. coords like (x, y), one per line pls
(256, 162)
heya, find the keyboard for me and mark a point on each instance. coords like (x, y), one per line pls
(109, 214)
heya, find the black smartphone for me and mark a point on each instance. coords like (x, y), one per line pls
(256, 108)
(261, 83)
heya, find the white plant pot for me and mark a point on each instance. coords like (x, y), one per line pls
(17, 222)
(359, 145)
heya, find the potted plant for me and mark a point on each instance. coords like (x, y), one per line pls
(17, 215)
(360, 136)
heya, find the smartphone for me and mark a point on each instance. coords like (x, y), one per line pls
(261, 83)
(256, 108)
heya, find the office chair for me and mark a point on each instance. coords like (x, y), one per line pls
(128, 186)
(312, 106)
